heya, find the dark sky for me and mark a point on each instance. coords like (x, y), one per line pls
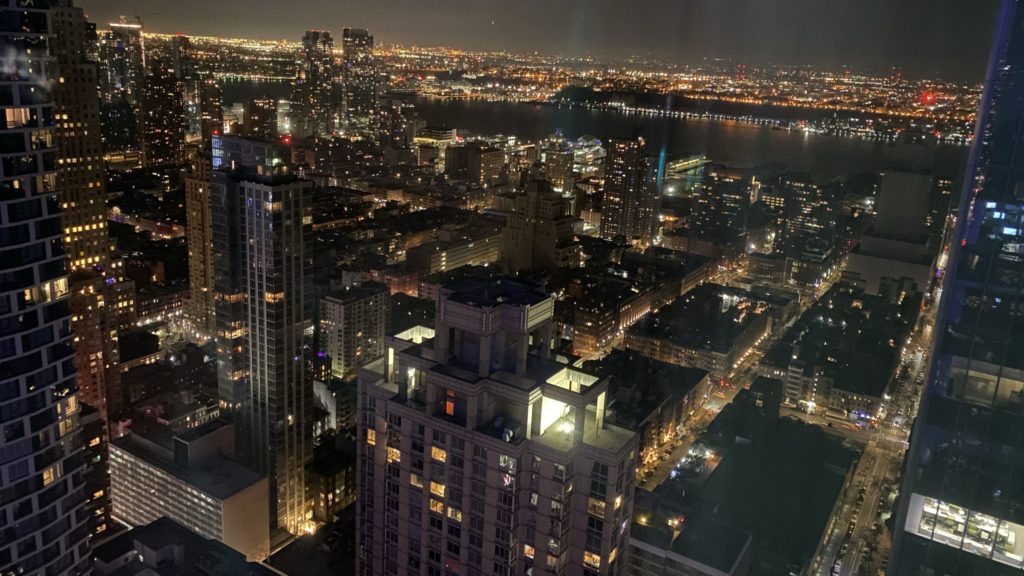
(942, 38)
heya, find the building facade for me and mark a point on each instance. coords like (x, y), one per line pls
(352, 327)
(266, 328)
(163, 117)
(482, 452)
(539, 231)
(363, 81)
(312, 92)
(961, 503)
(261, 118)
(631, 196)
(42, 480)
(191, 479)
(199, 231)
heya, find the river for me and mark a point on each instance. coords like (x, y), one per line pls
(738, 144)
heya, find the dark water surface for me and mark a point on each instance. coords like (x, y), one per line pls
(734, 143)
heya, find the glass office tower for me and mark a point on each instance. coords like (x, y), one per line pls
(961, 508)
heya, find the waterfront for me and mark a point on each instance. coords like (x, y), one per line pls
(735, 143)
(740, 144)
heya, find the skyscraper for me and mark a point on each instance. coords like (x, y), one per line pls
(539, 231)
(810, 216)
(122, 51)
(483, 452)
(352, 324)
(42, 485)
(559, 160)
(362, 81)
(720, 211)
(312, 99)
(211, 109)
(199, 231)
(163, 117)
(123, 54)
(961, 509)
(262, 226)
(261, 118)
(100, 293)
(631, 198)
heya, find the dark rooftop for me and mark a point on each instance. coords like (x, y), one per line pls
(358, 292)
(708, 317)
(851, 337)
(491, 293)
(200, 555)
(640, 384)
(136, 344)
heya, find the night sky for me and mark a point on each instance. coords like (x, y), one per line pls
(935, 38)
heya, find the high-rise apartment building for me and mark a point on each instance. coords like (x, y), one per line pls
(559, 161)
(211, 109)
(122, 57)
(810, 216)
(80, 179)
(101, 297)
(352, 327)
(312, 99)
(163, 117)
(482, 451)
(905, 188)
(631, 198)
(262, 226)
(363, 81)
(961, 509)
(261, 118)
(199, 231)
(539, 231)
(720, 210)
(42, 499)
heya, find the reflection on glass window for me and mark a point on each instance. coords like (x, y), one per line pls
(974, 532)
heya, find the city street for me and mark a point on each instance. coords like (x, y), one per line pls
(856, 534)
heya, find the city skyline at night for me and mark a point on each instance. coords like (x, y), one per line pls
(574, 288)
(941, 39)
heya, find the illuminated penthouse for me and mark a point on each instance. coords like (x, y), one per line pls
(484, 452)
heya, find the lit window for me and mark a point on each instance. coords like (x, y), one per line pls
(455, 514)
(436, 506)
(371, 437)
(49, 475)
(437, 489)
(528, 551)
(449, 403)
(438, 454)
(591, 559)
(94, 442)
(595, 507)
(415, 480)
(394, 455)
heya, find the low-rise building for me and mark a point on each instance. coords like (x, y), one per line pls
(468, 248)
(842, 354)
(653, 397)
(164, 547)
(712, 327)
(192, 479)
